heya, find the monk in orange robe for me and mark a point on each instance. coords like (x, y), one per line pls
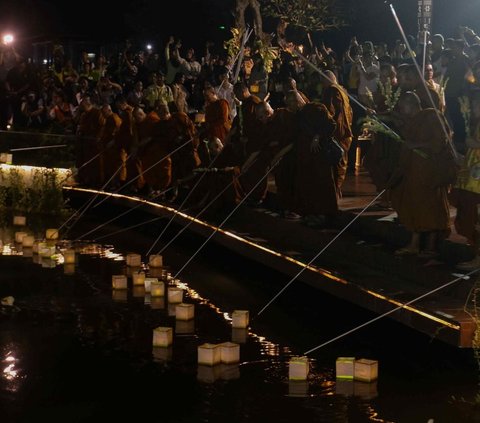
(217, 115)
(110, 157)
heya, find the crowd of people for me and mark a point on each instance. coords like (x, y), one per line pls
(163, 123)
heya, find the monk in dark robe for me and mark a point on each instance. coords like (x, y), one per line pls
(217, 115)
(110, 157)
(426, 170)
(336, 100)
(315, 187)
(89, 131)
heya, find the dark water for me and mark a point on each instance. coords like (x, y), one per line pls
(71, 350)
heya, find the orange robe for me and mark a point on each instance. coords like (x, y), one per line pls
(110, 156)
(217, 119)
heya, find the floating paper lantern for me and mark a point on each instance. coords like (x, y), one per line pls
(162, 354)
(184, 327)
(344, 387)
(298, 388)
(51, 234)
(239, 335)
(37, 246)
(19, 220)
(148, 284)
(240, 319)
(120, 295)
(8, 301)
(69, 256)
(119, 282)
(6, 158)
(229, 353)
(155, 260)
(175, 295)
(209, 354)
(365, 391)
(298, 368)
(229, 371)
(134, 260)
(157, 303)
(69, 269)
(184, 311)
(28, 241)
(366, 370)
(138, 279)
(46, 251)
(345, 367)
(19, 237)
(208, 374)
(162, 337)
(157, 289)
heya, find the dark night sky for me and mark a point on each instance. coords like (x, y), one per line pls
(195, 20)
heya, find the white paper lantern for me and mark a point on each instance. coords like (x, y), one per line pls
(239, 335)
(69, 256)
(6, 158)
(208, 374)
(19, 237)
(28, 241)
(119, 282)
(184, 311)
(51, 234)
(345, 367)
(46, 251)
(229, 353)
(134, 260)
(120, 295)
(184, 327)
(366, 370)
(298, 368)
(19, 220)
(240, 319)
(175, 295)
(162, 336)
(148, 284)
(155, 260)
(209, 354)
(157, 303)
(157, 289)
(138, 279)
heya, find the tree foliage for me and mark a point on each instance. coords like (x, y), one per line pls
(312, 15)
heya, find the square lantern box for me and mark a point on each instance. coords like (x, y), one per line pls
(229, 353)
(134, 260)
(155, 261)
(148, 284)
(366, 370)
(46, 252)
(37, 246)
(298, 368)
(19, 237)
(184, 327)
(28, 241)
(240, 319)
(345, 367)
(157, 303)
(6, 158)
(175, 295)
(184, 311)
(69, 256)
(157, 289)
(209, 354)
(208, 374)
(298, 388)
(19, 220)
(162, 337)
(239, 335)
(138, 279)
(119, 282)
(162, 354)
(120, 295)
(51, 234)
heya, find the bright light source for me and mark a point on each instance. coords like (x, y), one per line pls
(91, 55)
(45, 61)
(8, 39)
(149, 47)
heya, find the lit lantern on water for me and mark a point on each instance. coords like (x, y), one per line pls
(229, 353)
(366, 370)
(51, 234)
(157, 289)
(148, 284)
(298, 388)
(19, 220)
(155, 260)
(345, 367)
(298, 368)
(184, 327)
(175, 295)
(37, 245)
(28, 241)
(209, 354)
(157, 303)
(184, 311)
(138, 279)
(239, 335)
(69, 256)
(134, 260)
(240, 319)
(46, 251)
(119, 282)
(162, 337)
(19, 237)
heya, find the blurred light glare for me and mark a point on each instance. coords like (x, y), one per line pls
(8, 39)
(149, 46)
(45, 61)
